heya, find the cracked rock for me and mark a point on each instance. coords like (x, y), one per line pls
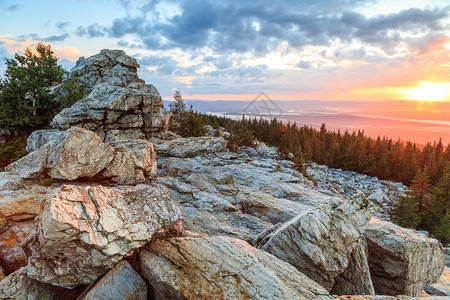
(85, 230)
(222, 267)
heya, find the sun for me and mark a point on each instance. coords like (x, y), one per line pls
(428, 91)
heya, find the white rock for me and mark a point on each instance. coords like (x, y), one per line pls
(105, 224)
(402, 261)
(215, 267)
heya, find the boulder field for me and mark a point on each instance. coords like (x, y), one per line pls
(110, 205)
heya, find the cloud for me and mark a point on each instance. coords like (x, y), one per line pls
(259, 27)
(62, 25)
(304, 64)
(165, 65)
(12, 7)
(91, 31)
(56, 38)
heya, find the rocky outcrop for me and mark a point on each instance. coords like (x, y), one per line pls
(189, 147)
(119, 104)
(221, 267)
(346, 183)
(320, 242)
(85, 230)
(402, 261)
(121, 282)
(80, 153)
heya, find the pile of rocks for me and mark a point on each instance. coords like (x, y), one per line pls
(86, 217)
(119, 104)
(346, 183)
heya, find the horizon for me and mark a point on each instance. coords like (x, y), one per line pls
(394, 120)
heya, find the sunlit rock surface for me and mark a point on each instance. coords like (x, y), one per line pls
(221, 267)
(84, 230)
(320, 242)
(402, 261)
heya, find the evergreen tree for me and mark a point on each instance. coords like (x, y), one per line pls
(25, 99)
(185, 122)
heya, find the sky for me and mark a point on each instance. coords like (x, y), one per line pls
(291, 50)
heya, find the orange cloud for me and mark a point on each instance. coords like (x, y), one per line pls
(13, 45)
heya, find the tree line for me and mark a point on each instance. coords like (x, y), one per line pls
(425, 170)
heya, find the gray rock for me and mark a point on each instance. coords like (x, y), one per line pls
(216, 267)
(85, 230)
(39, 138)
(119, 104)
(320, 242)
(80, 153)
(33, 165)
(402, 261)
(121, 282)
(355, 280)
(18, 286)
(185, 147)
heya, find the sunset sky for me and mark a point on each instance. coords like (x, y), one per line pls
(315, 50)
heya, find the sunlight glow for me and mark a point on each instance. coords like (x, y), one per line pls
(428, 91)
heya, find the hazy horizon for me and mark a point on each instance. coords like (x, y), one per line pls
(415, 121)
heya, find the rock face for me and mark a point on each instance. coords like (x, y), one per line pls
(84, 231)
(14, 242)
(442, 286)
(185, 147)
(121, 282)
(222, 267)
(19, 286)
(402, 261)
(80, 153)
(355, 280)
(119, 104)
(320, 242)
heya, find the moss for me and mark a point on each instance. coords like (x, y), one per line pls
(193, 154)
(46, 181)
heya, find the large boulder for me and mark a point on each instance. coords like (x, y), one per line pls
(119, 104)
(320, 242)
(85, 230)
(20, 199)
(80, 153)
(121, 282)
(221, 267)
(402, 261)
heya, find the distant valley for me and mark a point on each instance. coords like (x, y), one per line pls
(416, 121)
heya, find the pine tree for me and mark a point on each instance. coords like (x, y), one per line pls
(25, 99)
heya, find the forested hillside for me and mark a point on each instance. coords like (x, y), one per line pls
(426, 170)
